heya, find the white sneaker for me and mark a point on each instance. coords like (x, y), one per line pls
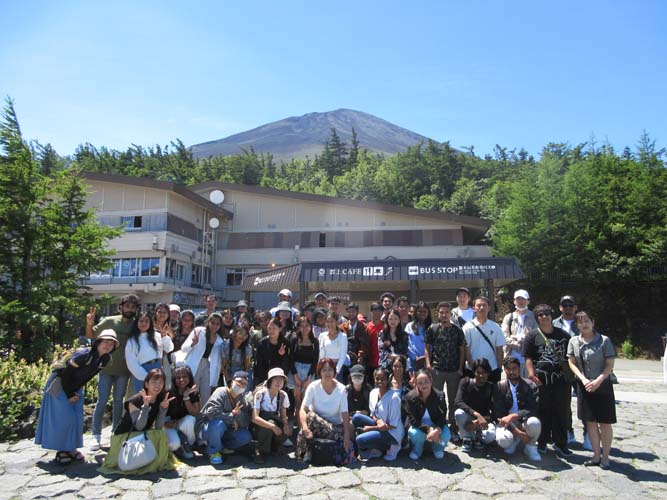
(392, 452)
(512, 448)
(369, 454)
(97, 443)
(530, 450)
(288, 442)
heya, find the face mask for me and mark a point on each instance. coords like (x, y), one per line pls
(237, 389)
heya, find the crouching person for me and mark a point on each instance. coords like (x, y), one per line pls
(269, 415)
(427, 411)
(474, 401)
(224, 419)
(516, 406)
(182, 412)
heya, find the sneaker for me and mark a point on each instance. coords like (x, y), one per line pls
(570, 437)
(467, 445)
(392, 452)
(530, 450)
(258, 457)
(478, 445)
(215, 459)
(542, 448)
(512, 448)
(562, 451)
(439, 454)
(288, 442)
(187, 454)
(97, 443)
(413, 456)
(369, 454)
(587, 443)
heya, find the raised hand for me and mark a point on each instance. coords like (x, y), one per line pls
(237, 409)
(189, 391)
(145, 397)
(90, 317)
(281, 351)
(195, 339)
(165, 403)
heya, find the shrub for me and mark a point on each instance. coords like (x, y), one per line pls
(628, 349)
(21, 387)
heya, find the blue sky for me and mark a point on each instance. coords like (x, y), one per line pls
(514, 73)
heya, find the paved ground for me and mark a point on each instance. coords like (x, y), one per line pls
(639, 468)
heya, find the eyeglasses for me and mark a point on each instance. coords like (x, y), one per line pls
(544, 315)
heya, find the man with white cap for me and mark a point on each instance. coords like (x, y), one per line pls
(516, 325)
(285, 295)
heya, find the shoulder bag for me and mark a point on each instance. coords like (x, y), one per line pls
(494, 376)
(136, 452)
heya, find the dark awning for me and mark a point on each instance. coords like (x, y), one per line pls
(504, 269)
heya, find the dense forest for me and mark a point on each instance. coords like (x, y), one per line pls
(584, 218)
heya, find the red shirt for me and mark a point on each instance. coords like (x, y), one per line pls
(374, 330)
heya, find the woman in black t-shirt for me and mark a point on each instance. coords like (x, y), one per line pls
(182, 411)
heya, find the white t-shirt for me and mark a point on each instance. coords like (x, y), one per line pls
(334, 349)
(263, 401)
(515, 401)
(466, 314)
(480, 348)
(328, 406)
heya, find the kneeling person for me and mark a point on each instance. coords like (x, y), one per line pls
(516, 406)
(269, 414)
(225, 417)
(474, 401)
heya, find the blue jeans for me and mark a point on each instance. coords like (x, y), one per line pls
(378, 440)
(418, 438)
(119, 383)
(217, 436)
(139, 384)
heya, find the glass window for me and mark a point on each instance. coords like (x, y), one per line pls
(115, 269)
(196, 274)
(128, 267)
(131, 222)
(235, 276)
(150, 266)
(180, 272)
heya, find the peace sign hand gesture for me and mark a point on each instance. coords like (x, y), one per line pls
(145, 397)
(90, 317)
(165, 403)
(281, 351)
(195, 338)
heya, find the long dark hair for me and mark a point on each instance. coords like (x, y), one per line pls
(191, 378)
(243, 345)
(400, 332)
(134, 334)
(161, 305)
(156, 373)
(429, 319)
(299, 336)
(179, 328)
(217, 316)
(281, 335)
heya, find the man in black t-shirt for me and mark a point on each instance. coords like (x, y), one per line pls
(544, 348)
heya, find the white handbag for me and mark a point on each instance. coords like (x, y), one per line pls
(136, 452)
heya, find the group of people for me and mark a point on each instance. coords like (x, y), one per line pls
(230, 382)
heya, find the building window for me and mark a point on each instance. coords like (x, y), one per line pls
(131, 222)
(235, 276)
(124, 268)
(150, 266)
(196, 274)
(323, 240)
(175, 270)
(206, 275)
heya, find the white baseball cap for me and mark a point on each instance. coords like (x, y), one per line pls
(522, 293)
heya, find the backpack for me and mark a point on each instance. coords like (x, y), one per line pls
(64, 358)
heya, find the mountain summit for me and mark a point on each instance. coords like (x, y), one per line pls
(301, 136)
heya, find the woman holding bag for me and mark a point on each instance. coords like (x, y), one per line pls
(60, 424)
(591, 358)
(144, 414)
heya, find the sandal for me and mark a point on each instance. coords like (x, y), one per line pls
(77, 456)
(63, 458)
